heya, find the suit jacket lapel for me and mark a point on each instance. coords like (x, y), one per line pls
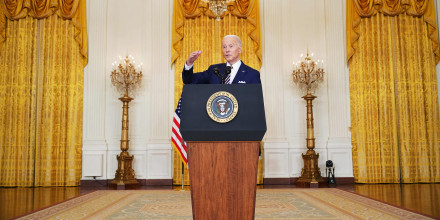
(241, 71)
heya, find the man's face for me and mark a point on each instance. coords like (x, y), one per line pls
(231, 50)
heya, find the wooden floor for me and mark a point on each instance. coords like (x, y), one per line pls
(421, 198)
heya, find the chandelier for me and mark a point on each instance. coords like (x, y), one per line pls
(218, 7)
(126, 76)
(308, 73)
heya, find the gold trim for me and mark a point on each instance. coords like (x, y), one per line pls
(214, 117)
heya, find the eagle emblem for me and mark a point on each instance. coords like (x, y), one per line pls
(222, 107)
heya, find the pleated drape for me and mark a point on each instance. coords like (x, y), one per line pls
(18, 103)
(372, 104)
(417, 102)
(393, 98)
(41, 87)
(59, 105)
(195, 28)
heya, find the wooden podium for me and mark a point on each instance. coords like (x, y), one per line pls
(223, 179)
(223, 157)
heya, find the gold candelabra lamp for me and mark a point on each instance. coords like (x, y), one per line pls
(126, 77)
(308, 74)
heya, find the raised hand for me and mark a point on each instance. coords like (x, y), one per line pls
(193, 57)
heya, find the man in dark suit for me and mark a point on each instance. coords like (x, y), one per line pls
(240, 73)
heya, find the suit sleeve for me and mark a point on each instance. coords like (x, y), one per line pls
(189, 77)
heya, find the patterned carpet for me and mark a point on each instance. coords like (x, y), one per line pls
(271, 204)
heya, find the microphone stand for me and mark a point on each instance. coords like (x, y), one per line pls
(224, 76)
(217, 73)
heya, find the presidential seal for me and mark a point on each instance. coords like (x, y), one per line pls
(222, 107)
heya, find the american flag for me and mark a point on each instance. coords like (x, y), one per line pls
(176, 137)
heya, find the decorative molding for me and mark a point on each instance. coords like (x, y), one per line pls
(112, 163)
(94, 73)
(322, 159)
(93, 164)
(97, 160)
(140, 163)
(159, 164)
(337, 74)
(339, 142)
(273, 83)
(296, 162)
(275, 144)
(276, 163)
(341, 157)
(94, 145)
(160, 109)
(159, 146)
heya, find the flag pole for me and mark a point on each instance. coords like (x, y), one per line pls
(183, 174)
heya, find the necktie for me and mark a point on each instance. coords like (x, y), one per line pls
(228, 78)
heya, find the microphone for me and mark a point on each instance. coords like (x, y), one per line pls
(228, 70)
(217, 72)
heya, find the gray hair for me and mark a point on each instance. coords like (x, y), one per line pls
(236, 38)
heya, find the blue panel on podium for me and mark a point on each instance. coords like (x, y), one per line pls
(249, 123)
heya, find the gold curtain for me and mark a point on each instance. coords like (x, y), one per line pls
(17, 103)
(195, 28)
(41, 87)
(358, 9)
(393, 98)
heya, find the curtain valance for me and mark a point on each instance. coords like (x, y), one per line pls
(183, 9)
(357, 9)
(74, 10)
